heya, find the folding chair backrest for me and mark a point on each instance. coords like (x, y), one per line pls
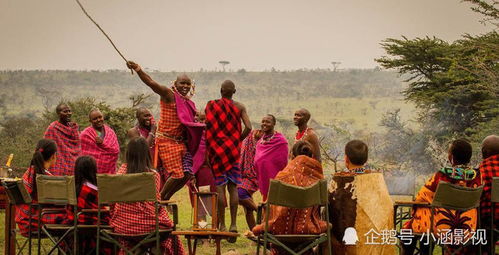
(494, 196)
(16, 192)
(58, 190)
(456, 197)
(126, 188)
(287, 195)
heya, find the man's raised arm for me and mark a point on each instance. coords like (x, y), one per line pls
(246, 122)
(159, 89)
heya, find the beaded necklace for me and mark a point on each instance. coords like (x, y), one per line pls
(300, 135)
(264, 140)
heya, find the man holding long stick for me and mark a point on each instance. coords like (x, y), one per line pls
(178, 135)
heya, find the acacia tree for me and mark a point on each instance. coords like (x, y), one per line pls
(454, 84)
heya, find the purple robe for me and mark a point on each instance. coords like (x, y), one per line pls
(186, 111)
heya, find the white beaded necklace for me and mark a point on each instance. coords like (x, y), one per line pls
(264, 141)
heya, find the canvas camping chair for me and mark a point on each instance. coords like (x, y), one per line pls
(401, 187)
(129, 188)
(18, 195)
(494, 198)
(454, 197)
(282, 194)
(59, 191)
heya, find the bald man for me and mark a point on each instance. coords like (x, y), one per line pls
(145, 127)
(175, 143)
(306, 133)
(489, 168)
(223, 138)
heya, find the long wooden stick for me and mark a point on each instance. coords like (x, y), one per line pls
(102, 30)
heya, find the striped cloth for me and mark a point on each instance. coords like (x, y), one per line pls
(249, 179)
(223, 138)
(87, 199)
(139, 218)
(105, 154)
(23, 212)
(67, 139)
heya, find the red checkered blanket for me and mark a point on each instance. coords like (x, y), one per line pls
(223, 135)
(67, 139)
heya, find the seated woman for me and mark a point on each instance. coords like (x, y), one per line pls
(87, 195)
(271, 155)
(303, 170)
(43, 158)
(139, 217)
(459, 173)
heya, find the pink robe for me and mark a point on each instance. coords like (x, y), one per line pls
(270, 158)
(105, 154)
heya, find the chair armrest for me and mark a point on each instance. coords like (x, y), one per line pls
(94, 210)
(52, 210)
(412, 203)
(167, 202)
(174, 206)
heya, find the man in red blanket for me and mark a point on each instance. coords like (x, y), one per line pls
(67, 137)
(100, 142)
(223, 137)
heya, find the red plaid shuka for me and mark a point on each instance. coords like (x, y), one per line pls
(67, 139)
(23, 212)
(249, 180)
(169, 140)
(488, 169)
(105, 154)
(139, 218)
(87, 199)
(223, 136)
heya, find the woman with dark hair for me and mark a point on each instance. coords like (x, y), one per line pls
(303, 170)
(43, 158)
(87, 194)
(139, 217)
(271, 154)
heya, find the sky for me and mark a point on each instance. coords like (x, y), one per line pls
(187, 35)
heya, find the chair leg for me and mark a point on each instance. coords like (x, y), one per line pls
(258, 245)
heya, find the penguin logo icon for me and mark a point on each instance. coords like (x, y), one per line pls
(350, 237)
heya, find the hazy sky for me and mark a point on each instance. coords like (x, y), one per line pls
(186, 35)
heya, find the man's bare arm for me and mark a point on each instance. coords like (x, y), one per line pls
(159, 89)
(313, 139)
(245, 119)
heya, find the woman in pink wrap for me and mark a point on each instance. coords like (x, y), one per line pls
(271, 154)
